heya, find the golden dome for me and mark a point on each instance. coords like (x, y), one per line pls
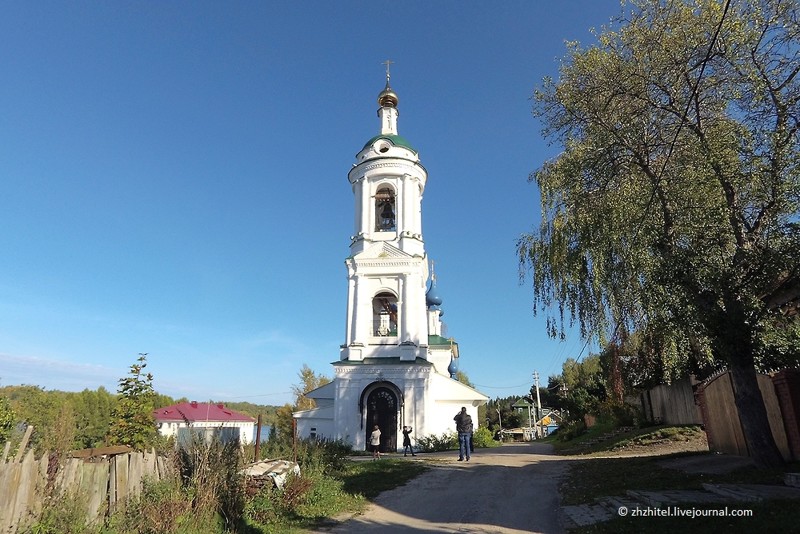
(387, 97)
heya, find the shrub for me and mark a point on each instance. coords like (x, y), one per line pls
(571, 430)
(161, 507)
(483, 438)
(63, 514)
(622, 414)
(447, 441)
(211, 472)
(323, 456)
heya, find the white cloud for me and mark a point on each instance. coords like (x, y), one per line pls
(54, 374)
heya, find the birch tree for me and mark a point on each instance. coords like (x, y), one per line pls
(673, 207)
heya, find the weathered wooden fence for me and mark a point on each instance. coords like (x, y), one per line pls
(721, 418)
(672, 404)
(102, 478)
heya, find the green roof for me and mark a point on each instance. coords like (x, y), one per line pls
(396, 140)
(439, 340)
(382, 360)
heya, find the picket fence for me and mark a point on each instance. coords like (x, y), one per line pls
(104, 478)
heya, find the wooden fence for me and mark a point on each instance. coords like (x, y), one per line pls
(103, 478)
(672, 404)
(721, 418)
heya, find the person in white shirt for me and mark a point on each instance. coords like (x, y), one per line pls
(375, 443)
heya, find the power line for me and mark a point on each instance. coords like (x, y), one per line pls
(259, 395)
(501, 387)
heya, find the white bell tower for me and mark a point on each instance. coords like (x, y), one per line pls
(395, 368)
(387, 267)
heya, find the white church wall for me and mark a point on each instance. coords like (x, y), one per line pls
(315, 423)
(440, 358)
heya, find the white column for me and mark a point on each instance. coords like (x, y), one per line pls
(414, 202)
(359, 329)
(405, 316)
(408, 221)
(399, 206)
(358, 192)
(350, 332)
(365, 207)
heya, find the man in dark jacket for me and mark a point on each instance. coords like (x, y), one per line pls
(464, 428)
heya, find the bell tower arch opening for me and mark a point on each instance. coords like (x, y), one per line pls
(384, 314)
(385, 210)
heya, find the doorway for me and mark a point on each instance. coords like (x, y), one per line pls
(382, 411)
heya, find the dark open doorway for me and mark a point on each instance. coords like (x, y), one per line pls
(382, 411)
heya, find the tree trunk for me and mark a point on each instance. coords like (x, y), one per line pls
(753, 416)
(733, 337)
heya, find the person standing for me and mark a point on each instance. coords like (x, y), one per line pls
(464, 428)
(375, 443)
(407, 441)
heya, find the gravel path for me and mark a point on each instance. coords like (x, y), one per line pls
(508, 489)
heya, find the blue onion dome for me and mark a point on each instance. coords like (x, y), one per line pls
(452, 368)
(432, 298)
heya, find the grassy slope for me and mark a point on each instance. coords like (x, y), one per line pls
(592, 477)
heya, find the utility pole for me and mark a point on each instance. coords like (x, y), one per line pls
(538, 402)
(564, 391)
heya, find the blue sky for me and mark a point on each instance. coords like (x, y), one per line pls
(173, 180)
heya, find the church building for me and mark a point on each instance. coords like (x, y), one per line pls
(395, 368)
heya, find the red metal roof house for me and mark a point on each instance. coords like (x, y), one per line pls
(204, 419)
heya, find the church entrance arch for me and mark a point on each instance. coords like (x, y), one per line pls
(383, 409)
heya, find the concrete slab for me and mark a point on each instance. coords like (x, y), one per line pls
(606, 508)
(707, 463)
(663, 498)
(586, 514)
(753, 492)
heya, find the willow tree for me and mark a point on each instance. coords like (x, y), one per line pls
(673, 206)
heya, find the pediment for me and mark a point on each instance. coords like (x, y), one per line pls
(383, 250)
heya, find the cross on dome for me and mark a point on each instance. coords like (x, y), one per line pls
(387, 63)
(388, 98)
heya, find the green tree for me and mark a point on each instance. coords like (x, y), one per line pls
(7, 419)
(282, 431)
(462, 377)
(93, 411)
(132, 421)
(38, 408)
(509, 417)
(309, 381)
(673, 208)
(582, 384)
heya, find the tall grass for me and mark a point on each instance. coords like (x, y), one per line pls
(209, 495)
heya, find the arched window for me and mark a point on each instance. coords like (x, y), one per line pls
(384, 314)
(385, 210)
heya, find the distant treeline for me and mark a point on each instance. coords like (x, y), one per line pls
(68, 420)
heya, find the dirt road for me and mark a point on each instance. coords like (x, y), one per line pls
(508, 489)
